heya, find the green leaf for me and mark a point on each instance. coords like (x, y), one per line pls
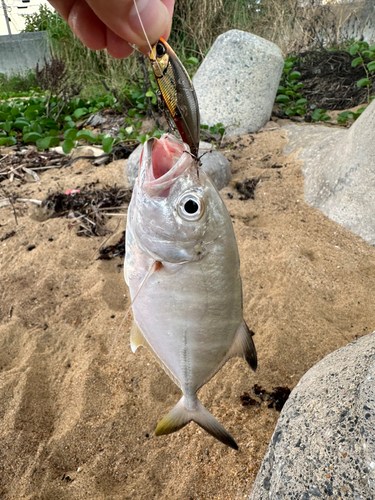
(363, 45)
(15, 112)
(294, 75)
(280, 89)
(143, 138)
(33, 111)
(301, 110)
(107, 144)
(355, 62)
(301, 101)
(290, 111)
(363, 82)
(359, 112)
(20, 124)
(67, 146)
(35, 127)
(368, 53)
(3, 116)
(80, 112)
(371, 66)
(48, 142)
(7, 141)
(282, 98)
(318, 115)
(48, 123)
(70, 134)
(86, 135)
(192, 60)
(345, 116)
(354, 49)
(132, 112)
(31, 137)
(6, 126)
(150, 93)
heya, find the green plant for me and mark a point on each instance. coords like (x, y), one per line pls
(364, 53)
(349, 115)
(217, 129)
(288, 95)
(17, 85)
(320, 115)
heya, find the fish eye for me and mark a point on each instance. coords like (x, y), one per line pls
(190, 207)
(160, 49)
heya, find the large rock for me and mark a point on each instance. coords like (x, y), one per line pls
(339, 171)
(213, 163)
(324, 442)
(237, 82)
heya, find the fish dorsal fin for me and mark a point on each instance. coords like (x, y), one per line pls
(137, 338)
(243, 346)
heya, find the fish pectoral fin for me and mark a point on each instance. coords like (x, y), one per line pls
(243, 346)
(179, 416)
(137, 338)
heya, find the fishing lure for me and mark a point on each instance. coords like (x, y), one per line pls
(177, 92)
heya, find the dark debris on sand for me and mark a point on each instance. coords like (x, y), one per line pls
(275, 399)
(111, 251)
(247, 188)
(330, 81)
(88, 207)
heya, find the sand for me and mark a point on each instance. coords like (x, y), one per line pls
(78, 422)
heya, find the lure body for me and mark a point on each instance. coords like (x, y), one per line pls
(177, 92)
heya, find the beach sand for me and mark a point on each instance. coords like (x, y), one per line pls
(78, 422)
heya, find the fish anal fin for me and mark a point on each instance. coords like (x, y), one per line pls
(243, 346)
(137, 338)
(180, 415)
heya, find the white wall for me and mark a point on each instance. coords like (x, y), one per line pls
(15, 14)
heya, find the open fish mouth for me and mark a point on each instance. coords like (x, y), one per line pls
(162, 162)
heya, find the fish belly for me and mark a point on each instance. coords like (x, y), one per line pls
(188, 313)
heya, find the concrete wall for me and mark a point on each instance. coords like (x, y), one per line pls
(20, 53)
(359, 22)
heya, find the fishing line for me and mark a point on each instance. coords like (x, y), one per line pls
(145, 34)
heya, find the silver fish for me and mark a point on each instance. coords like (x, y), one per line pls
(182, 269)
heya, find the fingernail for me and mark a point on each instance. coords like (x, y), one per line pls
(154, 16)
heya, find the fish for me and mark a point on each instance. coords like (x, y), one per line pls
(177, 92)
(183, 271)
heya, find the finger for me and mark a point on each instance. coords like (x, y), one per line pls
(116, 46)
(84, 23)
(122, 18)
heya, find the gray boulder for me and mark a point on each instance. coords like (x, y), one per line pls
(324, 442)
(213, 162)
(339, 170)
(237, 82)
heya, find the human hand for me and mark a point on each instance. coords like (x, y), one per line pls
(111, 24)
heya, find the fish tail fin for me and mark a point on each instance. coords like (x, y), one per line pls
(180, 416)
